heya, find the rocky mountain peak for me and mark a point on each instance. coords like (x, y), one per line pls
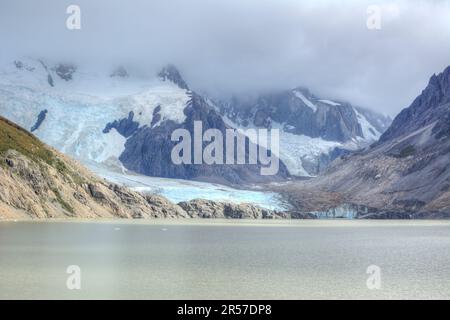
(171, 73)
(430, 106)
(437, 91)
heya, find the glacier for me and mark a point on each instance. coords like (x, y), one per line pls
(178, 190)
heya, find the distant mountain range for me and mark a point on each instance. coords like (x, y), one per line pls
(406, 174)
(123, 117)
(314, 131)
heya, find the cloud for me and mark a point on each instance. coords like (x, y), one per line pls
(234, 46)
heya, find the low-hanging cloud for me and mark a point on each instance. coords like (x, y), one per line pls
(247, 46)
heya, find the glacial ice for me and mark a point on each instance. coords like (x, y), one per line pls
(178, 190)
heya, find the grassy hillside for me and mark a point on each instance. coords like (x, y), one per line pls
(16, 138)
(38, 182)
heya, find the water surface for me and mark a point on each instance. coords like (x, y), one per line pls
(225, 259)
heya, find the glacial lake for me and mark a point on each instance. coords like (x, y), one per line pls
(198, 259)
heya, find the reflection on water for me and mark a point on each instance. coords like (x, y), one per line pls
(225, 260)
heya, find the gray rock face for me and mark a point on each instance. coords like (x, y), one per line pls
(126, 127)
(148, 148)
(40, 119)
(156, 116)
(429, 107)
(148, 151)
(50, 80)
(311, 117)
(213, 210)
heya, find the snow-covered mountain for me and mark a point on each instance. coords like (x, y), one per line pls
(116, 117)
(314, 131)
(69, 110)
(121, 117)
(90, 113)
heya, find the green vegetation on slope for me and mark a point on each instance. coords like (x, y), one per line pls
(16, 138)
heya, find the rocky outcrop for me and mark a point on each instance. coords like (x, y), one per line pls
(211, 209)
(164, 208)
(65, 71)
(429, 107)
(126, 127)
(40, 118)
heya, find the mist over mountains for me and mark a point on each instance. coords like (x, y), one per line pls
(122, 116)
(229, 47)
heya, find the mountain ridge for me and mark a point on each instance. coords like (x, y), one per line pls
(404, 175)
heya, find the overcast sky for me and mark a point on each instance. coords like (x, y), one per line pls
(239, 46)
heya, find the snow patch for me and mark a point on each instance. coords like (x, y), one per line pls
(113, 146)
(369, 132)
(331, 103)
(300, 95)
